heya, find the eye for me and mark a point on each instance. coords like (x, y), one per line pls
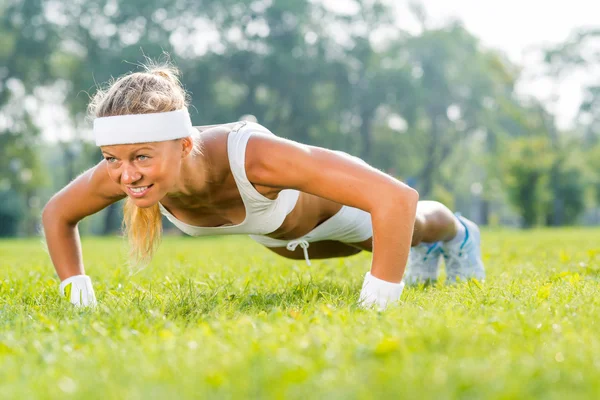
(110, 160)
(142, 157)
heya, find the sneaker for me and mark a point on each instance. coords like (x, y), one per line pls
(463, 261)
(423, 264)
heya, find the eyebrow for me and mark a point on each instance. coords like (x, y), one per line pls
(135, 151)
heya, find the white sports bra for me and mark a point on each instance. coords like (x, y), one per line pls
(263, 215)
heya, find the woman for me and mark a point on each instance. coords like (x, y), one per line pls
(299, 201)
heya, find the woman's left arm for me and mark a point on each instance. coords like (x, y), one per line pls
(277, 162)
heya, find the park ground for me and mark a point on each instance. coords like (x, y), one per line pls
(225, 318)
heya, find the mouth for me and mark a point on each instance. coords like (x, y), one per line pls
(139, 191)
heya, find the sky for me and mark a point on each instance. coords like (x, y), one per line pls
(517, 28)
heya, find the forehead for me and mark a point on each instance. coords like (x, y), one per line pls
(131, 148)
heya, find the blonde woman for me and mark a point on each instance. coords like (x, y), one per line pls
(300, 201)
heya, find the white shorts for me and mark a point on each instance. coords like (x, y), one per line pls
(349, 225)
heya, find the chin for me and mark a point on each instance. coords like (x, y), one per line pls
(144, 203)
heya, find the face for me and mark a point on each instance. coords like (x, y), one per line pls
(146, 171)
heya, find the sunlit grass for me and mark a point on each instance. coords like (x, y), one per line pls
(222, 318)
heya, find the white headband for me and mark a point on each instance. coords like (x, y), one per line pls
(142, 128)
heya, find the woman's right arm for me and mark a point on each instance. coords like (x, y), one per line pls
(87, 194)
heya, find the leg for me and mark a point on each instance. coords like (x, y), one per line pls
(435, 222)
(439, 232)
(318, 250)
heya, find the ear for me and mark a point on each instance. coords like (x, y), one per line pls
(187, 145)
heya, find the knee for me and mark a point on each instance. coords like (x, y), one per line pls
(435, 224)
(419, 230)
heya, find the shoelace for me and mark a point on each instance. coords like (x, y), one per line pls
(454, 255)
(291, 246)
(458, 256)
(464, 247)
(418, 256)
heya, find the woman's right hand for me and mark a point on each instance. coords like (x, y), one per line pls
(78, 290)
(89, 193)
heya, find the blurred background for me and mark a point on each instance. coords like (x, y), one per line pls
(490, 107)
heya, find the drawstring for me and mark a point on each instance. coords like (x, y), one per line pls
(291, 246)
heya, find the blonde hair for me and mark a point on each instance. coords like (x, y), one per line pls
(156, 89)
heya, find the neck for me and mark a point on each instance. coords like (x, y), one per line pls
(193, 178)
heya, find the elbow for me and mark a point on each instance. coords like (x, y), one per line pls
(48, 213)
(51, 213)
(408, 195)
(411, 194)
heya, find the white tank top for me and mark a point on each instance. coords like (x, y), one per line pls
(263, 215)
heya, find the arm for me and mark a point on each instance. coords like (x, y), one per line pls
(87, 194)
(277, 162)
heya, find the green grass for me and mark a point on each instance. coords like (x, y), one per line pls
(225, 318)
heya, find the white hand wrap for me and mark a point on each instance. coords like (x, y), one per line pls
(78, 290)
(379, 293)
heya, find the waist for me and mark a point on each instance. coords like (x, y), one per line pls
(348, 225)
(310, 212)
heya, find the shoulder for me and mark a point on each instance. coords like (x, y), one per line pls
(99, 182)
(272, 160)
(215, 138)
(214, 153)
(215, 142)
(87, 194)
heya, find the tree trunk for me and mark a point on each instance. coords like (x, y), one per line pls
(111, 224)
(427, 173)
(484, 212)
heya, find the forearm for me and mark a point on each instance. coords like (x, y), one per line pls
(64, 247)
(393, 226)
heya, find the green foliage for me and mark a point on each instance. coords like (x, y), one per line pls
(576, 54)
(224, 318)
(11, 211)
(433, 107)
(528, 162)
(545, 183)
(569, 191)
(593, 162)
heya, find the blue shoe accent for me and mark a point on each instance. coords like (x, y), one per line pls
(464, 262)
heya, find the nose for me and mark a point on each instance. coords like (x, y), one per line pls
(130, 175)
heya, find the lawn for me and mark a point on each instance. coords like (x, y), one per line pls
(225, 318)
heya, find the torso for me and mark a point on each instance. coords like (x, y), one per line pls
(221, 204)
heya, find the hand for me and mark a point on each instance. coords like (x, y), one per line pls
(78, 290)
(379, 293)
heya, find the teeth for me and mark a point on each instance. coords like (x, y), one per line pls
(138, 189)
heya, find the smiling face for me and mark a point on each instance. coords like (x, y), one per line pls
(147, 171)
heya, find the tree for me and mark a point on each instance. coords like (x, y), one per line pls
(527, 164)
(580, 52)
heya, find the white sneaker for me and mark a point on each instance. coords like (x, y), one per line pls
(423, 264)
(464, 261)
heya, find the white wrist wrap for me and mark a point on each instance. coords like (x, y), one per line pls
(78, 290)
(379, 293)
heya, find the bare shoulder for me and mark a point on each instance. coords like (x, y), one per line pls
(281, 163)
(87, 194)
(99, 182)
(214, 149)
(268, 156)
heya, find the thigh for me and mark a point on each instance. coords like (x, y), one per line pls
(366, 245)
(319, 250)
